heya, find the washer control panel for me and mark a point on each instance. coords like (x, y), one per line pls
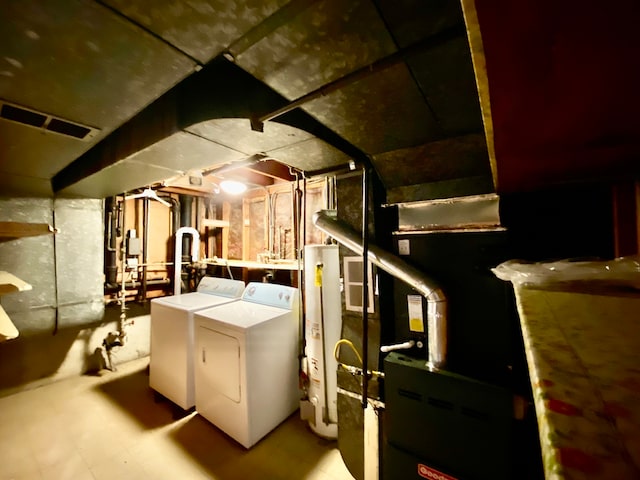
(223, 287)
(280, 296)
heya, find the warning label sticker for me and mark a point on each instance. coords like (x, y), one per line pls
(416, 321)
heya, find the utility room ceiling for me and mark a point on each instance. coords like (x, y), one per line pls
(98, 97)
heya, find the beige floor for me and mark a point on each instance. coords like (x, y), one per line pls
(110, 427)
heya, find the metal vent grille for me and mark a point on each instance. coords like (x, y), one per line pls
(43, 121)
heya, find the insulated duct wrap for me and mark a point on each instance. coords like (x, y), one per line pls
(65, 271)
(79, 261)
(31, 260)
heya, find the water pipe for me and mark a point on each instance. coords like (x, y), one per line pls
(195, 251)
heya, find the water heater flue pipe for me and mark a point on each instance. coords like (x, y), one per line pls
(327, 221)
(195, 252)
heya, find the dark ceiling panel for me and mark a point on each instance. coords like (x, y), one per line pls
(443, 160)
(32, 152)
(412, 20)
(445, 75)
(183, 152)
(310, 155)
(122, 176)
(236, 133)
(100, 63)
(78, 60)
(201, 28)
(324, 42)
(379, 113)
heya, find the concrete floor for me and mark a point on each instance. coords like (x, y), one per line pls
(109, 427)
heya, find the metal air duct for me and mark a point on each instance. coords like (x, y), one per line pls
(436, 301)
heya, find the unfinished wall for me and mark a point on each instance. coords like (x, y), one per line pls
(235, 230)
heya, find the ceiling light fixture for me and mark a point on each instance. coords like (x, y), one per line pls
(232, 187)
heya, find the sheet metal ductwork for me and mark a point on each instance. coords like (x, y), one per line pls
(436, 301)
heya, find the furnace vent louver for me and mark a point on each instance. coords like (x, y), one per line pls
(43, 121)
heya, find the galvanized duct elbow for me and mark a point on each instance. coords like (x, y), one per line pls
(327, 221)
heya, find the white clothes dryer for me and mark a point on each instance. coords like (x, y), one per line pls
(172, 337)
(247, 362)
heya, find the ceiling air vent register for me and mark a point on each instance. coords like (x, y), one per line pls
(45, 122)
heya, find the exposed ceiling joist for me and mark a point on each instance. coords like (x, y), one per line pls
(273, 169)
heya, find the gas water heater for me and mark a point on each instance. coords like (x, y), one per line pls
(323, 325)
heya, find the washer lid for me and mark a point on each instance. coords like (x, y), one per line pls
(241, 315)
(192, 301)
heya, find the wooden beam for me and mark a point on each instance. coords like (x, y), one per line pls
(273, 169)
(249, 177)
(482, 79)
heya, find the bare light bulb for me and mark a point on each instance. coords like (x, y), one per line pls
(232, 187)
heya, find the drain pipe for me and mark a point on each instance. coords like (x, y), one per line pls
(365, 287)
(111, 253)
(370, 418)
(186, 203)
(298, 242)
(195, 251)
(117, 338)
(328, 222)
(145, 247)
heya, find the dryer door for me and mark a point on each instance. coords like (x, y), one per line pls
(220, 362)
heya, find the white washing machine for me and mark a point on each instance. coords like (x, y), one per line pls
(247, 362)
(172, 336)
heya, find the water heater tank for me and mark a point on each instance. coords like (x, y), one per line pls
(322, 331)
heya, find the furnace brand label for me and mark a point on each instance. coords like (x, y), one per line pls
(416, 321)
(432, 473)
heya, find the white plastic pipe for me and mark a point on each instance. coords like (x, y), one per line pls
(397, 346)
(195, 251)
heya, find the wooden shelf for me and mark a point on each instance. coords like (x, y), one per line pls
(8, 330)
(212, 223)
(291, 265)
(10, 283)
(13, 230)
